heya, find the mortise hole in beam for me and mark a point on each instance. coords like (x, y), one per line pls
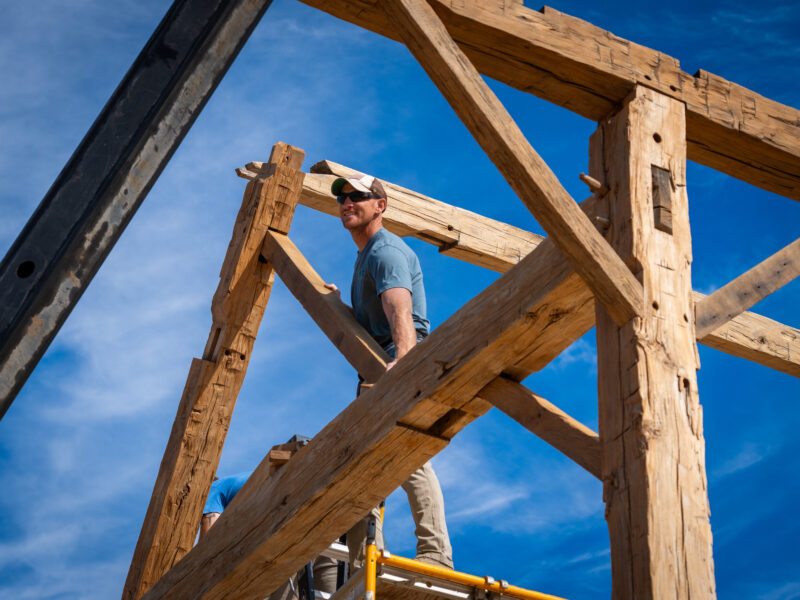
(655, 304)
(657, 138)
(662, 196)
(209, 354)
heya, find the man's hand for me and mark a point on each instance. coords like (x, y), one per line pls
(332, 287)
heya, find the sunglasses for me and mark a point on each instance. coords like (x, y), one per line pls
(354, 197)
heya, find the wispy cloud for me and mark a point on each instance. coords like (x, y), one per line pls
(750, 455)
(787, 591)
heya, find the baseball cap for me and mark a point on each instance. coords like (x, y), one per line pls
(366, 183)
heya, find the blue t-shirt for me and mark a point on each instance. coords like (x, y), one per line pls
(386, 262)
(222, 492)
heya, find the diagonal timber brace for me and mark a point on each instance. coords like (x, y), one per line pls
(748, 289)
(276, 524)
(528, 175)
(554, 426)
(198, 433)
(326, 308)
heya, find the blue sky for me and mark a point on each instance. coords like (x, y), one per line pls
(80, 447)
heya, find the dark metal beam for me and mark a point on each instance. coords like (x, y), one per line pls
(94, 197)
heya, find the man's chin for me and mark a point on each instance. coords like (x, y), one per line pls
(349, 222)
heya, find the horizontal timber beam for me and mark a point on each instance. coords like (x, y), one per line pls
(748, 289)
(750, 336)
(275, 524)
(457, 232)
(528, 175)
(554, 426)
(758, 339)
(590, 71)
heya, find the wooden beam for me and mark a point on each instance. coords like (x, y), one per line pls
(457, 232)
(650, 418)
(749, 336)
(758, 339)
(748, 289)
(554, 426)
(198, 433)
(591, 71)
(332, 315)
(529, 176)
(337, 322)
(275, 525)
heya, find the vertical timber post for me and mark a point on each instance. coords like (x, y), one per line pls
(651, 426)
(206, 407)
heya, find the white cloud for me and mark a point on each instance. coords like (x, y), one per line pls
(582, 351)
(786, 591)
(750, 454)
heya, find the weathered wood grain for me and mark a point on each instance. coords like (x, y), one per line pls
(204, 413)
(554, 426)
(527, 174)
(337, 322)
(332, 315)
(746, 290)
(457, 232)
(758, 339)
(591, 71)
(650, 418)
(276, 524)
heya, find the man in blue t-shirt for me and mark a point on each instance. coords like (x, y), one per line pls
(389, 301)
(324, 569)
(222, 492)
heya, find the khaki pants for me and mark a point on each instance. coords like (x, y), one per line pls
(324, 580)
(427, 508)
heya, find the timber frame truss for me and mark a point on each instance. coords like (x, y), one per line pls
(620, 261)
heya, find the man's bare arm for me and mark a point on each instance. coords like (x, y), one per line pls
(397, 306)
(208, 520)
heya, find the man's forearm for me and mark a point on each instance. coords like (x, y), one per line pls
(208, 520)
(398, 309)
(404, 335)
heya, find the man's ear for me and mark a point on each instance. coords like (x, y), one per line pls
(382, 203)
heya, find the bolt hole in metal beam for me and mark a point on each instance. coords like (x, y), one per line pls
(70, 234)
(25, 269)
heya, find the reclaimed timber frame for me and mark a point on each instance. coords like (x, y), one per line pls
(621, 261)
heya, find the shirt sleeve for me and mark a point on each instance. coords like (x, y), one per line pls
(214, 501)
(389, 269)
